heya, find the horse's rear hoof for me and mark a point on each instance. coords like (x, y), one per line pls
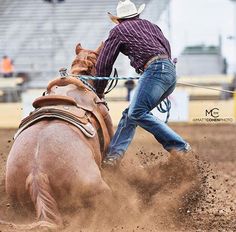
(47, 226)
(42, 225)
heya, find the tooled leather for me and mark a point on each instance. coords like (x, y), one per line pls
(85, 99)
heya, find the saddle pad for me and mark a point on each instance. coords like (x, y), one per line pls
(71, 114)
(87, 129)
(70, 111)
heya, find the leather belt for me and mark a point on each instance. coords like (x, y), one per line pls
(154, 58)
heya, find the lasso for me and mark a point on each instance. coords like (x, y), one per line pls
(167, 103)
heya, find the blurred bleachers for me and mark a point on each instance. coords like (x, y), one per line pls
(40, 36)
(10, 89)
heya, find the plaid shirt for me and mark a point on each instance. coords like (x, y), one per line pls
(136, 38)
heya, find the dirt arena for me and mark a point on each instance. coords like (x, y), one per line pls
(155, 192)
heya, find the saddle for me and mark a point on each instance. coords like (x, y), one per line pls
(68, 99)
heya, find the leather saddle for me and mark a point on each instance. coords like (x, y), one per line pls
(68, 99)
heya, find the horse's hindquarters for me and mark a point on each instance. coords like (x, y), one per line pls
(59, 151)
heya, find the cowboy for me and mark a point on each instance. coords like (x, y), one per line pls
(150, 54)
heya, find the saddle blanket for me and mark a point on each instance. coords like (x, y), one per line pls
(53, 112)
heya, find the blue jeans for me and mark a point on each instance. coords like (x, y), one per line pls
(156, 83)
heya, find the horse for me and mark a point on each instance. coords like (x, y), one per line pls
(56, 156)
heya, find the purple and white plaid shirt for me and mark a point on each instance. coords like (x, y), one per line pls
(136, 38)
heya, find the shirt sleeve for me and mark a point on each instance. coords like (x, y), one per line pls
(108, 54)
(106, 60)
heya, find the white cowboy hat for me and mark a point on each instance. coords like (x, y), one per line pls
(126, 9)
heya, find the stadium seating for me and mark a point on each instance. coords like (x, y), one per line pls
(40, 36)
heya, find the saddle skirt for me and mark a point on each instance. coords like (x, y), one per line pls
(71, 114)
(68, 99)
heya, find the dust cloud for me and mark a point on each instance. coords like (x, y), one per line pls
(151, 192)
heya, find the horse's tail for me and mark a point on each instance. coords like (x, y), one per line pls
(38, 185)
(47, 211)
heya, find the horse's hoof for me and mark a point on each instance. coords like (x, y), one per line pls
(42, 225)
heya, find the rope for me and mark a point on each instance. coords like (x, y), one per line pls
(204, 87)
(136, 78)
(160, 107)
(87, 84)
(167, 108)
(104, 78)
(114, 81)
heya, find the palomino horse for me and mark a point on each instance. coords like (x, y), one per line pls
(57, 153)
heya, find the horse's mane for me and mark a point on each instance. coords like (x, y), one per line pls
(85, 61)
(84, 66)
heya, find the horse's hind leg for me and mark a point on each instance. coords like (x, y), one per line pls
(99, 196)
(41, 194)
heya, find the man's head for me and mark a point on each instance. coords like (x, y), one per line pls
(125, 10)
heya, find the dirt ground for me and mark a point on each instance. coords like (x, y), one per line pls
(156, 192)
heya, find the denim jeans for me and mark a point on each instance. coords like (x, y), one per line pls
(156, 83)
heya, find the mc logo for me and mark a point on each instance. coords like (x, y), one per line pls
(213, 112)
